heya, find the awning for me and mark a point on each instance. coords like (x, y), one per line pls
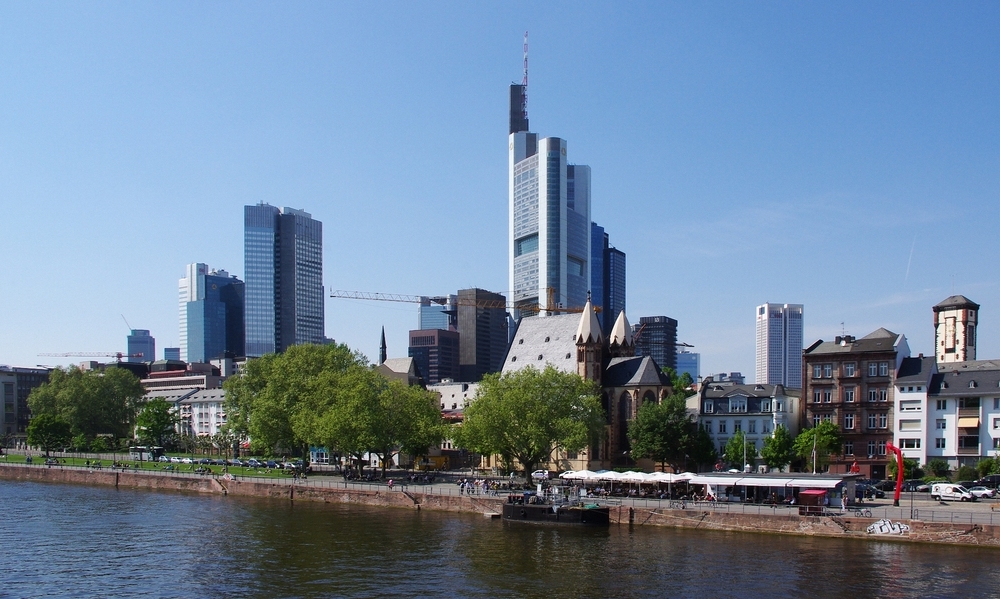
(815, 483)
(735, 481)
(968, 422)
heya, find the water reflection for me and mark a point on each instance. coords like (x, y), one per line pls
(94, 541)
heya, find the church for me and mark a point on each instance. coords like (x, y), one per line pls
(575, 343)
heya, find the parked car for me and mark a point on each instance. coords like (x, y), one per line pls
(271, 464)
(540, 474)
(204, 461)
(164, 458)
(235, 462)
(870, 492)
(175, 460)
(254, 463)
(981, 492)
(992, 481)
(187, 461)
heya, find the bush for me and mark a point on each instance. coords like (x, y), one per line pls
(938, 467)
(988, 466)
(966, 473)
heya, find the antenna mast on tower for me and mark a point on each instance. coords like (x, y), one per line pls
(524, 82)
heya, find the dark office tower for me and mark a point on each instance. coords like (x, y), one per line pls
(656, 337)
(435, 353)
(482, 326)
(614, 283)
(283, 256)
(212, 314)
(141, 346)
(597, 243)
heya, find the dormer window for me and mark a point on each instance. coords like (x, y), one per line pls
(709, 407)
(546, 339)
(973, 384)
(520, 341)
(539, 356)
(738, 404)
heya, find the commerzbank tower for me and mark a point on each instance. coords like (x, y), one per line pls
(549, 210)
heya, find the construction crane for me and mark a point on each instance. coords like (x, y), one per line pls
(635, 337)
(93, 354)
(444, 300)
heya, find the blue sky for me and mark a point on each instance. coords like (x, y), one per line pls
(845, 156)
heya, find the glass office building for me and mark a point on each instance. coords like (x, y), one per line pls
(283, 260)
(212, 309)
(141, 346)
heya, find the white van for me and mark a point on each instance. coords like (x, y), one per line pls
(942, 491)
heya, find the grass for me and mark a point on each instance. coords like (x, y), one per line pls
(83, 462)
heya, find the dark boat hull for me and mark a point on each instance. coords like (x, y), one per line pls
(514, 512)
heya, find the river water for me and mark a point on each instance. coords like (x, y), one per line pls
(79, 541)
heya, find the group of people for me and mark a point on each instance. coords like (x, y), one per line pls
(481, 486)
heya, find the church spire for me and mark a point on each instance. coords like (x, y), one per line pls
(589, 330)
(382, 356)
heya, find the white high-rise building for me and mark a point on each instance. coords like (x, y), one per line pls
(549, 210)
(779, 345)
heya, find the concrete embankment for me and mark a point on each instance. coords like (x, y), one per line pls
(827, 526)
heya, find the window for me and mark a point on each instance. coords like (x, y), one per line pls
(883, 370)
(883, 420)
(938, 443)
(777, 406)
(722, 426)
(765, 405)
(942, 404)
(872, 420)
(737, 426)
(872, 394)
(910, 406)
(849, 448)
(871, 449)
(707, 425)
(849, 421)
(881, 447)
(996, 403)
(816, 395)
(970, 337)
(849, 394)
(827, 395)
(872, 369)
(828, 371)
(996, 424)
(815, 420)
(883, 394)
(910, 443)
(941, 424)
(766, 427)
(738, 404)
(752, 426)
(817, 371)
(849, 369)
(722, 446)
(996, 443)
(827, 417)
(709, 407)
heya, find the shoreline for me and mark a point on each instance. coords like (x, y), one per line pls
(691, 517)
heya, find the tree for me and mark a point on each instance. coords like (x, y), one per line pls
(965, 473)
(911, 469)
(739, 451)
(663, 432)
(988, 466)
(779, 448)
(827, 442)
(91, 402)
(939, 467)
(156, 422)
(528, 414)
(48, 432)
(703, 450)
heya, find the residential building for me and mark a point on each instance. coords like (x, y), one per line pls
(211, 314)
(726, 408)
(549, 219)
(201, 412)
(955, 321)
(779, 345)
(913, 433)
(141, 346)
(482, 329)
(283, 258)
(851, 382)
(453, 398)
(689, 362)
(436, 354)
(656, 337)
(964, 405)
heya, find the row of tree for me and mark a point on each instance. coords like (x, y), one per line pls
(329, 396)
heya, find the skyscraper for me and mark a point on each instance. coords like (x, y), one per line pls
(607, 278)
(779, 345)
(656, 337)
(283, 258)
(549, 219)
(482, 328)
(211, 314)
(140, 342)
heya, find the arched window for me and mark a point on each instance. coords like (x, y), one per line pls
(649, 396)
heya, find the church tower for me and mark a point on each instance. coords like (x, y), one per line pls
(589, 345)
(620, 342)
(955, 321)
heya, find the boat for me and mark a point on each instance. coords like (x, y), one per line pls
(530, 507)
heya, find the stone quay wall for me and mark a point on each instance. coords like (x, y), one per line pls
(792, 524)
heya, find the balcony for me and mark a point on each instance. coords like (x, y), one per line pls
(968, 450)
(968, 412)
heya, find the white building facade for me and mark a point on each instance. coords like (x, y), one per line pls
(779, 345)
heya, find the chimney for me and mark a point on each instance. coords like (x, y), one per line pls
(838, 340)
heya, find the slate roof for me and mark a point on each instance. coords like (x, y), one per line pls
(879, 340)
(956, 382)
(542, 340)
(625, 372)
(915, 370)
(955, 301)
(755, 390)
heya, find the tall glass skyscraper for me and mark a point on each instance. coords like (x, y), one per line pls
(779, 345)
(211, 314)
(549, 220)
(140, 342)
(283, 259)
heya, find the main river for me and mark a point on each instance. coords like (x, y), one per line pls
(79, 541)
